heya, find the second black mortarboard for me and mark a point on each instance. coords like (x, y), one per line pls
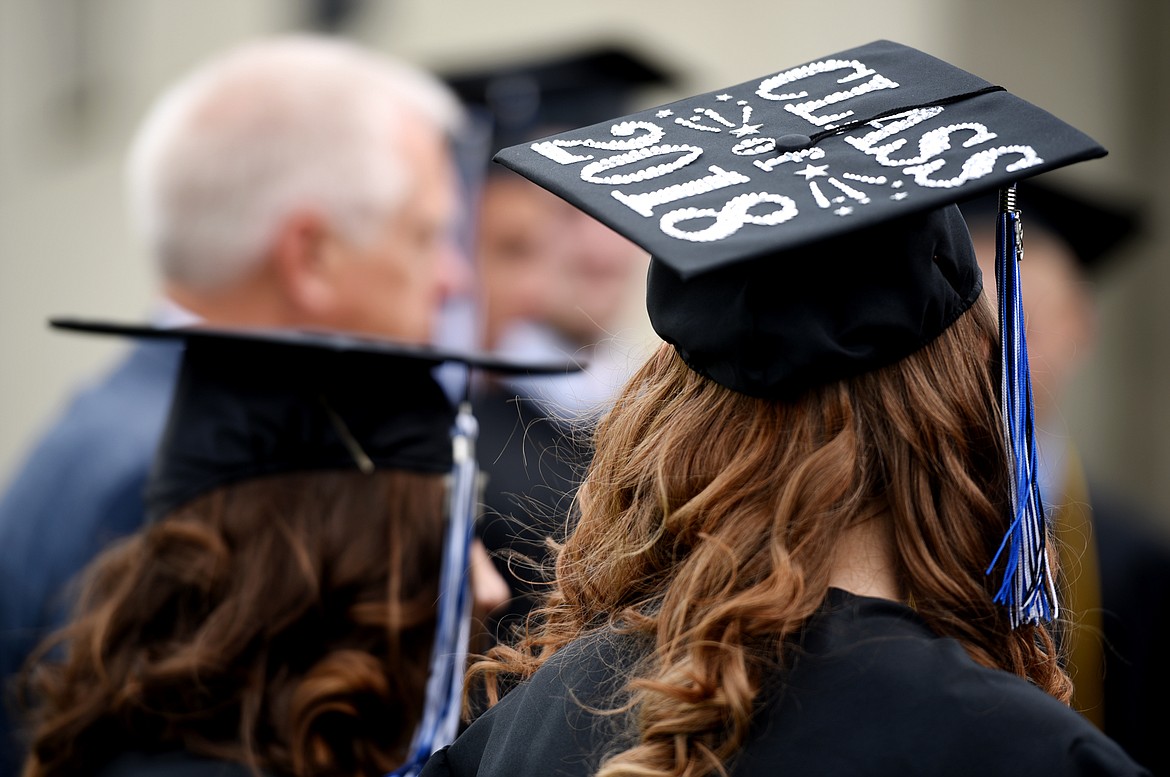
(251, 403)
(524, 98)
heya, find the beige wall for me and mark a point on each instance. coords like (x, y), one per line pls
(69, 101)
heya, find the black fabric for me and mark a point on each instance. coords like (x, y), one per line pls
(256, 402)
(766, 327)
(871, 691)
(176, 763)
(533, 465)
(522, 98)
(241, 412)
(1134, 570)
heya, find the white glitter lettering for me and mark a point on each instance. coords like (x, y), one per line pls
(715, 116)
(695, 125)
(878, 180)
(976, 166)
(644, 204)
(730, 218)
(789, 156)
(695, 122)
(933, 143)
(818, 195)
(897, 124)
(806, 109)
(849, 191)
(555, 149)
(753, 146)
(591, 172)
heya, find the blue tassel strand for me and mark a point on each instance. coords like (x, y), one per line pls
(440, 719)
(1027, 588)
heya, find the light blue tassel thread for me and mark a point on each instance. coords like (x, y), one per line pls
(440, 720)
(1027, 588)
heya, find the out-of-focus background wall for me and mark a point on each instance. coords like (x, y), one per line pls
(76, 76)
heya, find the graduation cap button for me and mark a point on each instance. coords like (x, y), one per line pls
(792, 143)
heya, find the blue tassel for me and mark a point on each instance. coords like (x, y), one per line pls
(1027, 588)
(440, 719)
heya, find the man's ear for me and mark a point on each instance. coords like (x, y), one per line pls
(303, 264)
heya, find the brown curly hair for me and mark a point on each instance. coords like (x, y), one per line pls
(709, 520)
(284, 623)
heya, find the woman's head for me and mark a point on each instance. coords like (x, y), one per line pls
(283, 621)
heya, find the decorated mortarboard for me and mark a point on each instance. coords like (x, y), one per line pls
(802, 228)
(524, 98)
(251, 403)
(1093, 226)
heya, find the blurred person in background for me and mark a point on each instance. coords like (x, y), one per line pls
(554, 282)
(293, 182)
(1117, 567)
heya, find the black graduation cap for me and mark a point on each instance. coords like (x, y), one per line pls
(1093, 226)
(526, 98)
(801, 225)
(250, 403)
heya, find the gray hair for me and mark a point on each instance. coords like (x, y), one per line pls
(273, 126)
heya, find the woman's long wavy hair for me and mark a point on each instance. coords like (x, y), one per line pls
(709, 520)
(284, 623)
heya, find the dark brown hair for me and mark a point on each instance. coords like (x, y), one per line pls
(709, 522)
(284, 623)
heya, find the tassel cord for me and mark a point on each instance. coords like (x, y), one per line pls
(440, 721)
(1027, 587)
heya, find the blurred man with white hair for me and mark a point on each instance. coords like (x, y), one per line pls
(302, 182)
(293, 182)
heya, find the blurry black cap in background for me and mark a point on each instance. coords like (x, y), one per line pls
(525, 99)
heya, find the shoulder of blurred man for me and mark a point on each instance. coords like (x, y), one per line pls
(79, 489)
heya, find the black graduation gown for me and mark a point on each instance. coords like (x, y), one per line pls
(871, 691)
(533, 465)
(172, 763)
(1135, 603)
